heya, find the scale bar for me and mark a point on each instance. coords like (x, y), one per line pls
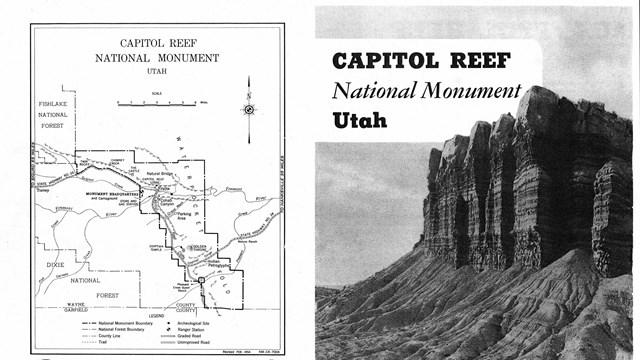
(124, 104)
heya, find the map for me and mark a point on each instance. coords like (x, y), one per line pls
(157, 188)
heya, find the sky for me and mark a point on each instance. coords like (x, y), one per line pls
(368, 206)
(369, 195)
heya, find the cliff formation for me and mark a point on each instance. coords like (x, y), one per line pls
(528, 189)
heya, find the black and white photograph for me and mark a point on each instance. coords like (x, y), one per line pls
(510, 240)
(524, 245)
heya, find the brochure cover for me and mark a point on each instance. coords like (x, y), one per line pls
(319, 180)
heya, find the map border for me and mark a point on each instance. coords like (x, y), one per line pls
(282, 131)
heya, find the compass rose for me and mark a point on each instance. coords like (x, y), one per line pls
(249, 109)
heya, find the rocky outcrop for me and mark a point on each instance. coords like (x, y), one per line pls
(449, 237)
(430, 208)
(612, 218)
(475, 188)
(499, 207)
(528, 189)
